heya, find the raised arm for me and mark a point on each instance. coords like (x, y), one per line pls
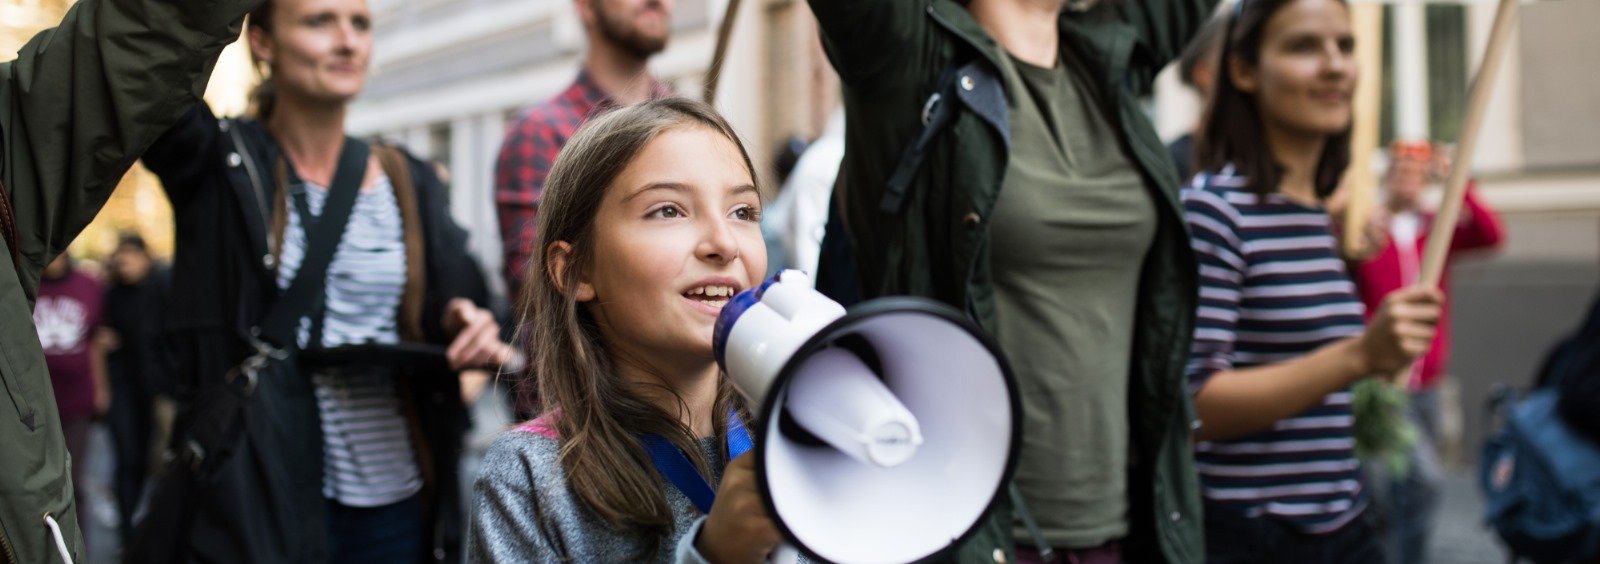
(82, 101)
(864, 38)
(1480, 227)
(1164, 27)
(181, 156)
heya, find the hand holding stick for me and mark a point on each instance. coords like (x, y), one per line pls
(1439, 237)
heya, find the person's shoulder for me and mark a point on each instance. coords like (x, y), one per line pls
(524, 443)
(522, 455)
(417, 166)
(86, 279)
(552, 114)
(1214, 197)
(533, 442)
(1220, 188)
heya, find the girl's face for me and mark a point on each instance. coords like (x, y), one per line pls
(317, 49)
(677, 234)
(1306, 75)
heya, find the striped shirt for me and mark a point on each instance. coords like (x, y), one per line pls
(368, 460)
(1273, 288)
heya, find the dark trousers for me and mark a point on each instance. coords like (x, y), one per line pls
(384, 534)
(1233, 538)
(129, 421)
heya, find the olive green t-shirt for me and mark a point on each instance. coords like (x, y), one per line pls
(1069, 235)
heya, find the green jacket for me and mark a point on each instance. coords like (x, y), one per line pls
(79, 104)
(890, 55)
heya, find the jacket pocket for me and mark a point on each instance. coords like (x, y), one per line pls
(16, 396)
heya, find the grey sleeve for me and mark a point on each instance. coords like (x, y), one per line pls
(685, 552)
(508, 522)
(524, 511)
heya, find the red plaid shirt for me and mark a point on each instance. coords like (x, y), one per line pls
(530, 147)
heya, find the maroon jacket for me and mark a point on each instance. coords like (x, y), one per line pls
(1395, 267)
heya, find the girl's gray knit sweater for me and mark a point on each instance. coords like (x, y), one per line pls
(524, 511)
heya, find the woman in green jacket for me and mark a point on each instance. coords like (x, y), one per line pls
(997, 160)
(77, 106)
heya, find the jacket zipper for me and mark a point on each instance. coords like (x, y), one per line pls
(5, 543)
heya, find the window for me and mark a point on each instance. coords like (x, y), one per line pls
(1448, 75)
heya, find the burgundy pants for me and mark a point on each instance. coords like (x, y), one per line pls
(76, 430)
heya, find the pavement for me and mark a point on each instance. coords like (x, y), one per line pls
(1460, 536)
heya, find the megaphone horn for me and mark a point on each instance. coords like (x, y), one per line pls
(885, 431)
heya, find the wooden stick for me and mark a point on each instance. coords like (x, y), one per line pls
(1444, 224)
(724, 33)
(1359, 185)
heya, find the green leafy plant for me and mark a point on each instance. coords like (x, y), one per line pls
(1383, 431)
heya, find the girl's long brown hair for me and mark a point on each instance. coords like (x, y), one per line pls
(598, 417)
(1232, 131)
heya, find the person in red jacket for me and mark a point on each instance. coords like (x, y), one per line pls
(1410, 501)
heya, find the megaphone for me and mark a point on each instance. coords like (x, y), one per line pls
(884, 432)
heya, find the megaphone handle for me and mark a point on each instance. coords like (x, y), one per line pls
(785, 554)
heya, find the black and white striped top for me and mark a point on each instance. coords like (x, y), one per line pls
(1273, 288)
(368, 459)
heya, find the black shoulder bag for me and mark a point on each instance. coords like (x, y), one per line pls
(243, 483)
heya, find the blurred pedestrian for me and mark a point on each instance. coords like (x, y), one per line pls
(1279, 338)
(799, 215)
(293, 239)
(77, 106)
(135, 313)
(68, 315)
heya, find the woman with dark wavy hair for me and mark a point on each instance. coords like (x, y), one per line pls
(1280, 336)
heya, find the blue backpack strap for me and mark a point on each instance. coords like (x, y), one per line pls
(739, 441)
(675, 466)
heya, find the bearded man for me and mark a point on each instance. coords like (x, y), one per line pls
(622, 36)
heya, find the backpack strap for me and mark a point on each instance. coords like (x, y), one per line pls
(938, 112)
(398, 168)
(323, 233)
(836, 274)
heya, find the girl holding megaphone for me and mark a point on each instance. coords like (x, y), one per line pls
(649, 224)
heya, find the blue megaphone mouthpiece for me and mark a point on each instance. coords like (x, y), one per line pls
(731, 312)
